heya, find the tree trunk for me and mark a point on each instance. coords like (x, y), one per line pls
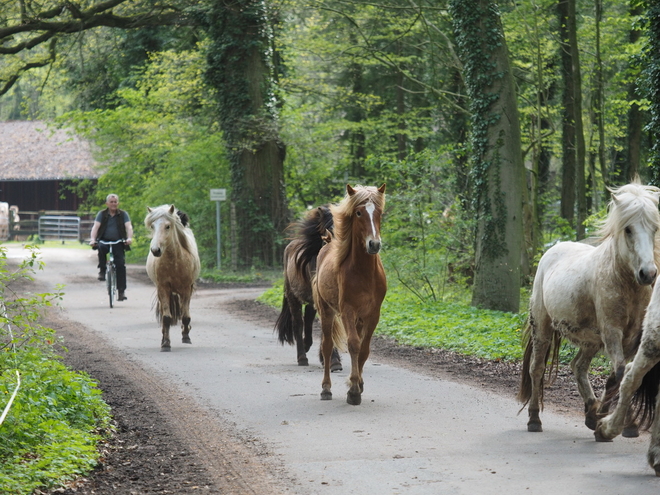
(569, 155)
(635, 114)
(497, 166)
(652, 76)
(242, 73)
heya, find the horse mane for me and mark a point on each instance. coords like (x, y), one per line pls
(343, 216)
(308, 235)
(178, 219)
(631, 201)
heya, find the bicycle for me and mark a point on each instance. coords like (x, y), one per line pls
(111, 270)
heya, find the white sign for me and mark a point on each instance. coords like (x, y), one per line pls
(218, 194)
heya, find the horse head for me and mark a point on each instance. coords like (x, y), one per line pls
(368, 210)
(162, 222)
(633, 222)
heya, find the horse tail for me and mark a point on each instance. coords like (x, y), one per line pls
(175, 308)
(644, 400)
(525, 390)
(339, 336)
(284, 324)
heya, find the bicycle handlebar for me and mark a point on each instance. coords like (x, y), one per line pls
(111, 242)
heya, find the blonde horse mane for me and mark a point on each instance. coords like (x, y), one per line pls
(342, 214)
(169, 212)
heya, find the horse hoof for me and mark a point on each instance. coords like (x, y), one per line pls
(657, 471)
(598, 435)
(534, 427)
(326, 395)
(186, 340)
(165, 349)
(354, 399)
(335, 367)
(591, 422)
(630, 432)
(303, 361)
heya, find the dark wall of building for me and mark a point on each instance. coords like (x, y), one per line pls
(37, 195)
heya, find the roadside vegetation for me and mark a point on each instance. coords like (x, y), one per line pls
(51, 418)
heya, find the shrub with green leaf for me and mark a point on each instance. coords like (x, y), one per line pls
(51, 429)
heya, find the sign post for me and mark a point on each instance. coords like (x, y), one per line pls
(218, 195)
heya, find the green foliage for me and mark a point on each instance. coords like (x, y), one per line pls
(426, 233)
(161, 146)
(51, 431)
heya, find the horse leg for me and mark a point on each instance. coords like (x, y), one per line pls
(326, 349)
(185, 319)
(354, 396)
(165, 343)
(302, 330)
(653, 454)
(308, 324)
(580, 367)
(612, 425)
(539, 355)
(166, 319)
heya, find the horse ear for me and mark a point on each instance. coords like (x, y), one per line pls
(381, 189)
(171, 209)
(149, 209)
(350, 190)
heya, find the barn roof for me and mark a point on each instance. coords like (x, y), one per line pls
(30, 150)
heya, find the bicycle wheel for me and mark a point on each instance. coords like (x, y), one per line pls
(111, 283)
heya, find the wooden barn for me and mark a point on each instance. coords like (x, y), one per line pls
(38, 165)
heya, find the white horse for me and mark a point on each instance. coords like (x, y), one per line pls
(641, 378)
(595, 298)
(173, 266)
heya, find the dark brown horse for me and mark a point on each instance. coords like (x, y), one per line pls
(299, 267)
(350, 283)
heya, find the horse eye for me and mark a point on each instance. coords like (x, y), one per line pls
(628, 231)
(167, 227)
(358, 213)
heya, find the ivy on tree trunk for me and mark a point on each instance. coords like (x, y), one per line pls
(241, 71)
(496, 156)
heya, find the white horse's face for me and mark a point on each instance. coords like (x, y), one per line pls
(636, 246)
(161, 229)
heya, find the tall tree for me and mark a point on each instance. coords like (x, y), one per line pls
(240, 69)
(652, 85)
(573, 146)
(497, 167)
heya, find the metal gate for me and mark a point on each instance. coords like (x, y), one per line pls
(59, 228)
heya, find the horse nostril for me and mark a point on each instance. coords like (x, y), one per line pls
(374, 247)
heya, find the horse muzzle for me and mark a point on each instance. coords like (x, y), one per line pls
(157, 252)
(647, 277)
(373, 246)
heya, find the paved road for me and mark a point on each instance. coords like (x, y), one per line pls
(411, 435)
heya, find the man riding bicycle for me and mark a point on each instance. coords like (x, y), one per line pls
(113, 224)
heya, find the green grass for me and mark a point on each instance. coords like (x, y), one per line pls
(450, 325)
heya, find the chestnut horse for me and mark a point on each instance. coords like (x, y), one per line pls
(173, 266)
(350, 284)
(299, 268)
(595, 298)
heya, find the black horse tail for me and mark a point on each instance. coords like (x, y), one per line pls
(284, 324)
(644, 401)
(175, 309)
